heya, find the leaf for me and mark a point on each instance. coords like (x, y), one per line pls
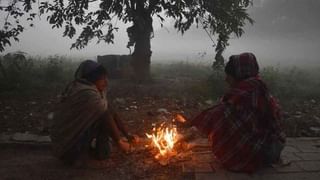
(6, 41)
(160, 17)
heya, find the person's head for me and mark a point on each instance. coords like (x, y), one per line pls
(94, 73)
(240, 67)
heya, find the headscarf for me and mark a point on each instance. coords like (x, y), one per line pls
(242, 66)
(90, 70)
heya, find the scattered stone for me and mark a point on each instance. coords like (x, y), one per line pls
(315, 129)
(209, 102)
(134, 107)
(297, 116)
(316, 118)
(163, 110)
(313, 101)
(298, 113)
(120, 101)
(50, 115)
(33, 103)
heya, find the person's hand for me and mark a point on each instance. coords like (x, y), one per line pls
(180, 118)
(132, 138)
(182, 122)
(124, 146)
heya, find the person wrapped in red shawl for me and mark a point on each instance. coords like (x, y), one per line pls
(244, 127)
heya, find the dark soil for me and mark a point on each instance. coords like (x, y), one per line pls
(140, 106)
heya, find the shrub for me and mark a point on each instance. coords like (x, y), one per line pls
(38, 74)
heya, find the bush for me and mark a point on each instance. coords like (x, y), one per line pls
(287, 84)
(199, 80)
(180, 69)
(38, 74)
(292, 84)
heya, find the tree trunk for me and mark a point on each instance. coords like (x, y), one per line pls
(141, 57)
(2, 69)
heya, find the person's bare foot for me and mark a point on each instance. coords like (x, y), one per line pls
(133, 139)
(124, 146)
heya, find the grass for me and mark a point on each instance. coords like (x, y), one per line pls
(289, 84)
(293, 84)
(52, 73)
(180, 69)
(37, 74)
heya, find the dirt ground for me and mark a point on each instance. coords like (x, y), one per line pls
(144, 104)
(140, 106)
(30, 162)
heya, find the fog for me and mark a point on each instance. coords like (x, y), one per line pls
(284, 32)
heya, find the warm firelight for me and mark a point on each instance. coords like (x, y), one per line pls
(164, 139)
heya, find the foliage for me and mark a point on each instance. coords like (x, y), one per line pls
(49, 74)
(291, 84)
(12, 29)
(53, 73)
(222, 17)
(180, 69)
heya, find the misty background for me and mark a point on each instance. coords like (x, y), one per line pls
(285, 32)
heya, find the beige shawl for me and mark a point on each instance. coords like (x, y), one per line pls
(81, 106)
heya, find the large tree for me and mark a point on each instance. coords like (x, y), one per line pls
(96, 17)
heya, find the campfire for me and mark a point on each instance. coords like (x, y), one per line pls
(164, 140)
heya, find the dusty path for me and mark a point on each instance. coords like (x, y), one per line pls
(139, 105)
(20, 162)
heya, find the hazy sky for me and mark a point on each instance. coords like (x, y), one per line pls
(284, 30)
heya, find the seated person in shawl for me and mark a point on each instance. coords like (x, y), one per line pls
(243, 128)
(84, 122)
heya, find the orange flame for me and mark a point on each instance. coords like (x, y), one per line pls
(164, 139)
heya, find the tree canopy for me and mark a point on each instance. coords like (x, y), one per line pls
(96, 17)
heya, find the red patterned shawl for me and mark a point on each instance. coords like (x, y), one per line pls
(246, 118)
